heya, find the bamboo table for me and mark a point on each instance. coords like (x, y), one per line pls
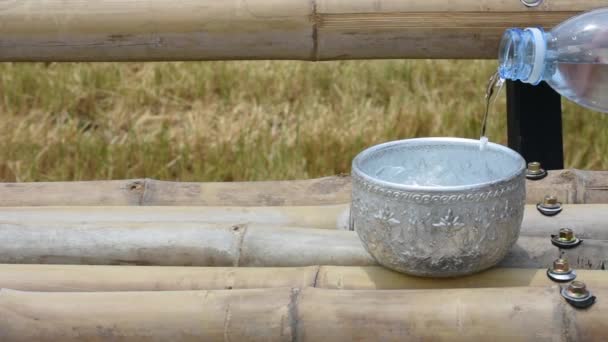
(152, 260)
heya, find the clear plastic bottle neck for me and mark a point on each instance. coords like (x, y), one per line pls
(523, 55)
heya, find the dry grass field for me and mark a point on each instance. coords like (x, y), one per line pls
(229, 121)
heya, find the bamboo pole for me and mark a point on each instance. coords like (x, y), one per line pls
(497, 314)
(587, 220)
(283, 314)
(177, 244)
(380, 278)
(87, 278)
(195, 244)
(228, 315)
(570, 186)
(117, 192)
(325, 217)
(536, 252)
(87, 30)
(319, 191)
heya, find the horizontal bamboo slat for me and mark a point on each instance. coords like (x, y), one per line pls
(570, 186)
(587, 220)
(177, 244)
(320, 191)
(323, 217)
(284, 314)
(88, 30)
(229, 315)
(496, 314)
(86, 278)
(198, 244)
(380, 278)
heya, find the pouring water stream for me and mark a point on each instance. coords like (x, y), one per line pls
(493, 89)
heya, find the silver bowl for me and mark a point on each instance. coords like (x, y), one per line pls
(438, 207)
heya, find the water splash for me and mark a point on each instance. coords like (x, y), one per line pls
(483, 141)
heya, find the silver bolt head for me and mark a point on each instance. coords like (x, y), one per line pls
(577, 295)
(549, 206)
(561, 266)
(561, 271)
(561, 277)
(550, 202)
(577, 289)
(532, 3)
(565, 239)
(566, 235)
(534, 167)
(535, 172)
(581, 300)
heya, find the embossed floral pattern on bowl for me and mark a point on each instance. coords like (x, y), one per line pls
(444, 208)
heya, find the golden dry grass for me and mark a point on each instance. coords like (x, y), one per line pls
(243, 120)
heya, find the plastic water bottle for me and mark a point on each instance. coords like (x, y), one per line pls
(572, 58)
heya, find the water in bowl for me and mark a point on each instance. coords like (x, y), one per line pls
(435, 173)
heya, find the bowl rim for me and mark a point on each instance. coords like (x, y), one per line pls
(356, 169)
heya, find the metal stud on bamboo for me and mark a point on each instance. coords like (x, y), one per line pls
(577, 294)
(549, 206)
(565, 239)
(561, 271)
(535, 171)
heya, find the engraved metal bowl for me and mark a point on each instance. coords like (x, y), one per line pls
(438, 207)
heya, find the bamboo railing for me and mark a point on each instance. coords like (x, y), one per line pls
(151, 30)
(570, 186)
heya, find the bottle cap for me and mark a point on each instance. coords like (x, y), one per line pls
(540, 51)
